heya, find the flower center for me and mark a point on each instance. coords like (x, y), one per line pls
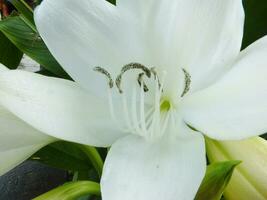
(147, 120)
(165, 106)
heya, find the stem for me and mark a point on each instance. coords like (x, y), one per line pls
(26, 5)
(72, 190)
(93, 155)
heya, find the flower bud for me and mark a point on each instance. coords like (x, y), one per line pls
(249, 180)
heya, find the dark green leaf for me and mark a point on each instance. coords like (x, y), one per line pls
(112, 1)
(63, 155)
(45, 72)
(25, 11)
(216, 179)
(256, 20)
(37, 2)
(30, 43)
(10, 55)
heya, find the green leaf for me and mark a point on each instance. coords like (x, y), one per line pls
(64, 155)
(30, 43)
(216, 179)
(37, 2)
(26, 12)
(10, 55)
(112, 1)
(45, 72)
(71, 191)
(255, 22)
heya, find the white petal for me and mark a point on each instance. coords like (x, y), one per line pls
(235, 107)
(171, 170)
(203, 37)
(58, 108)
(88, 33)
(3, 68)
(18, 141)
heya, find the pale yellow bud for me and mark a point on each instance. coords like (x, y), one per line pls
(249, 180)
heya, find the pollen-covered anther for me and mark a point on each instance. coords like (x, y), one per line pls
(187, 82)
(107, 74)
(128, 67)
(141, 82)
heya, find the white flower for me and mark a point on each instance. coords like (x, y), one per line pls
(200, 79)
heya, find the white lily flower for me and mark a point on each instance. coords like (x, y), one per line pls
(199, 78)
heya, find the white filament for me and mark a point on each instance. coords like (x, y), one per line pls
(146, 121)
(136, 126)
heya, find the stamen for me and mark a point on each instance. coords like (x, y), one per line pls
(160, 91)
(134, 112)
(107, 74)
(126, 112)
(155, 124)
(156, 77)
(111, 109)
(163, 81)
(152, 126)
(140, 80)
(130, 67)
(187, 82)
(150, 123)
(148, 116)
(142, 110)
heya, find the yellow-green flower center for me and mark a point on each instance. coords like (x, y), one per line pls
(165, 106)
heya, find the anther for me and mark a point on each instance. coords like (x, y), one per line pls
(107, 74)
(187, 82)
(136, 66)
(141, 82)
(130, 67)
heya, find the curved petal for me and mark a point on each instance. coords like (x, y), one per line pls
(58, 108)
(204, 37)
(18, 140)
(95, 34)
(235, 107)
(136, 169)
